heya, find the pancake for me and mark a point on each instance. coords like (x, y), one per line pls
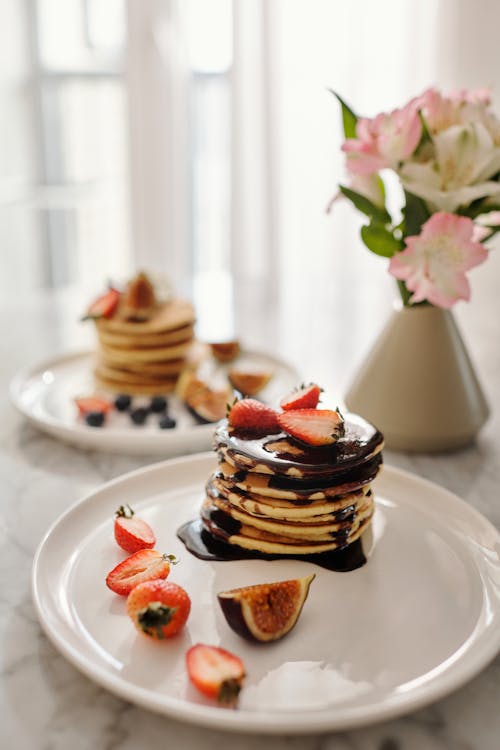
(273, 495)
(144, 388)
(281, 455)
(168, 317)
(285, 509)
(139, 355)
(305, 530)
(145, 340)
(287, 488)
(133, 340)
(137, 374)
(268, 544)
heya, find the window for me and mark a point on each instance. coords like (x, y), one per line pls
(77, 49)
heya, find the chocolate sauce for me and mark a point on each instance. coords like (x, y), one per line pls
(333, 488)
(348, 481)
(206, 546)
(283, 454)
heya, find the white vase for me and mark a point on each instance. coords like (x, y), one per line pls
(418, 384)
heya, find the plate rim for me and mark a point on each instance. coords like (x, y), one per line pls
(276, 722)
(149, 444)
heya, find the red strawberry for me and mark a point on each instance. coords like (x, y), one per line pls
(144, 565)
(158, 608)
(305, 397)
(254, 416)
(104, 306)
(312, 426)
(87, 404)
(216, 673)
(132, 533)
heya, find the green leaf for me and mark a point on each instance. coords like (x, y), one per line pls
(380, 240)
(426, 136)
(416, 213)
(349, 119)
(479, 207)
(365, 205)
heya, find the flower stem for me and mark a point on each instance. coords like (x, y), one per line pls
(405, 294)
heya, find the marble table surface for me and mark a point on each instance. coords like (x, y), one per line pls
(46, 704)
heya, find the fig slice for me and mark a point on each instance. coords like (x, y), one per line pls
(251, 382)
(266, 611)
(225, 351)
(208, 405)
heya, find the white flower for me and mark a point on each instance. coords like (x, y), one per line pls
(465, 158)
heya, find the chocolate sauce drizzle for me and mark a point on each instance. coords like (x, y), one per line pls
(360, 442)
(204, 545)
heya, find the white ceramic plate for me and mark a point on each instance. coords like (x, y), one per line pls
(45, 395)
(417, 621)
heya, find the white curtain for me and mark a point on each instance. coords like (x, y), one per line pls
(286, 138)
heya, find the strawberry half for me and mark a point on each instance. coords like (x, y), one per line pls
(312, 426)
(131, 533)
(216, 673)
(253, 416)
(144, 565)
(159, 608)
(305, 397)
(87, 404)
(104, 306)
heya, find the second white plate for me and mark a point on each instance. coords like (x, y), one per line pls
(417, 621)
(45, 395)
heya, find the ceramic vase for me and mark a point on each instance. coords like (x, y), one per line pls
(418, 384)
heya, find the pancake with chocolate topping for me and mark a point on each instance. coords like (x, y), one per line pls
(294, 530)
(248, 537)
(282, 455)
(276, 495)
(290, 489)
(337, 507)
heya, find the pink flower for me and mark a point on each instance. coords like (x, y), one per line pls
(363, 156)
(434, 263)
(383, 141)
(461, 107)
(440, 112)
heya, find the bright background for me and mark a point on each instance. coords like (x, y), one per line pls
(199, 139)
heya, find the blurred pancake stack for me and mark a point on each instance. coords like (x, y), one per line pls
(144, 341)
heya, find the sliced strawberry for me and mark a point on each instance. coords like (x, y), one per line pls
(87, 404)
(254, 416)
(312, 426)
(104, 306)
(158, 608)
(144, 565)
(131, 533)
(305, 397)
(216, 673)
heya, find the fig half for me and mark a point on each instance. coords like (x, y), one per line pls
(267, 611)
(249, 383)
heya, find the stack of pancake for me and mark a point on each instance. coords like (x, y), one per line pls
(277, 496)
(144, 356)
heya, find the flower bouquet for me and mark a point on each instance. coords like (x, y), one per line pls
(445, 151)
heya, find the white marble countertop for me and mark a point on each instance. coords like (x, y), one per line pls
(46, 704)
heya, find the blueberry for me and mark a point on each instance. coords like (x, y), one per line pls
(122, 402)
(95, 418)
(139, 415)
(158, 404)
(166, 423)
